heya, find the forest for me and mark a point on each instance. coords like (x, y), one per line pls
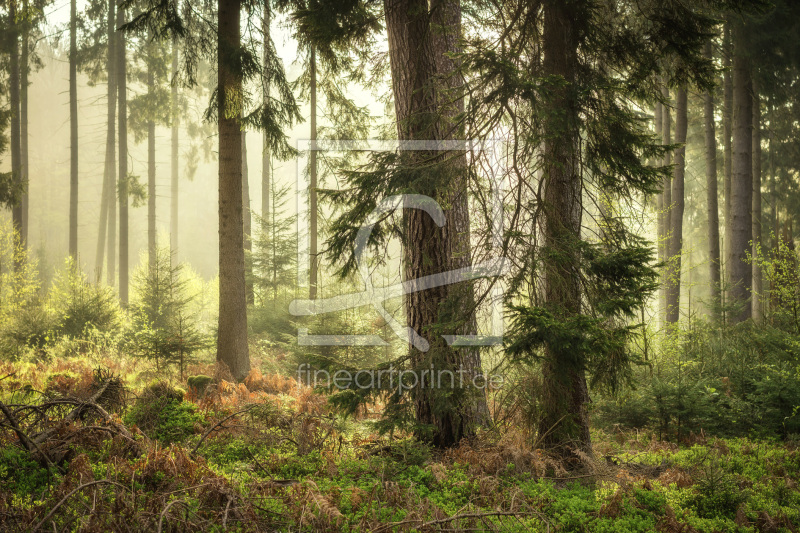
(399, 266)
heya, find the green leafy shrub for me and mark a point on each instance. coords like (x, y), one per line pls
(20, 473)
(161, 413)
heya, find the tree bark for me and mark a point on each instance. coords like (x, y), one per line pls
(265, 155)
(247, 224)
(712, 205)
(312, 188)
(739, 230)
(109, 171)
(151, 164)
(676, 213)
(73, 132)
(727, 124)
(14, 97)
(757, 305)
(564, 421)
(666, 235)
(416, 55)
(173, 207)
(122, 87)
(232, 348)
(659, 126)
(23, 126)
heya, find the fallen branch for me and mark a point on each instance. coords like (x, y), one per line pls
(73, 491)
(217, 425)
(164, 512)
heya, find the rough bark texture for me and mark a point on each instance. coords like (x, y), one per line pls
(151, 166)
(73, 132)
(712, 205)
(232, 346)
(13, 97)
(265, 155)
(757, 305)
(727, 125)
(312, 188)
(173, 194)
(739, 230)
(666, 235)
(23, 127)
(122, 191)
(416, 53)
(247, 223)
(660, 225)
(676, 213)
(564, 421)
(109, 171)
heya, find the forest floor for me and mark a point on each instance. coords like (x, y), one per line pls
(81, 450)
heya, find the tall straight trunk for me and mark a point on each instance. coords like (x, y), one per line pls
(151, 165)
(658, 124)
(73, 132)
(175, 119)
(676, 213)
(712, 205)
(416, 56)
(265, 155)
(564, 418)
(122, 86)
(13, 96)
(312, 192)
(727, 124)
(23, 126)
(247, 222)
(666, 235)
(232, 346)
(739, 231)
(109, 171)
(757, 305)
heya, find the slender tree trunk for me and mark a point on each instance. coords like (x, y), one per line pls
(659, 126)
(109, 171)
(564, 419)
(122, 86)
(232, 346)
(265, 155)
(727, 124)
(740, 230)
(151, 165)
(73, 132)
(666, 235)
(414, 54)
(247, 225)
(173, 208)
(312, 192)
(757, 305)
(23, 127)
(13, 96)
(676, 213)
(712, 205)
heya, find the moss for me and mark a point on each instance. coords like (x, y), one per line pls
(199, 383)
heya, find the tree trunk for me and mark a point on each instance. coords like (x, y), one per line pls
(312, 191)
(666, 235)
(232, 346)
(564, 420)
(415, 56)
(659, 126)
(151, 164)
(23, 126)
(13, 96)
(727, 124)
(740, 230)
(757, 305)
(122, 86)
(676, 213)
(265, 155)
(173, 207)
(73, 132)
(109, 171)
(712, 205)
(247, 224)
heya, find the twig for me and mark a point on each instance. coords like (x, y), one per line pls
(73, 491)
(454, 517)
(215, 426)
(170, 504)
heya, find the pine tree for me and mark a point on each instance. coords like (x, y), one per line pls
(73, 131)
(677, 210)
(712, 205)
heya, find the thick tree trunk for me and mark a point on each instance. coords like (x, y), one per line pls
(312, 191)
(727, 125)
(23, 126)
(247, 224)
(173, 194)
(73, 132)
(151, 166)
(564, 421)
(122, 87)
(712, 205)
(265, 155)
(666, 235)
(740, 230)
(109, 171)
(13, 97)
(676, 213)
(415, 52)
(757, 305)
(232, 346)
